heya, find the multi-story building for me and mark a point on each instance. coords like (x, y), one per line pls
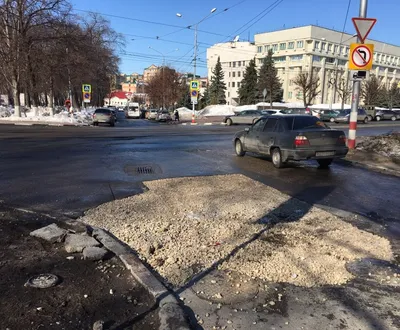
(317, 50)
(150, 72)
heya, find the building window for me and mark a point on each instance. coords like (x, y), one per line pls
(290, 82)
(342, 62)
(230, 64)
(280, 59)
(347, 50)
(323, 46)
(238, 84)
(316, 58)
(229, 94)
(341, 49)
(282, 46)
(233, 74)
(300, 44)
(290, 45)
(378, 56)
(330, 60)
(238, 73)
(229, 84)
(229, 73)
(275, 47)
(290, 95)
(296, 57)
(329, 47)
(260, 60)
(316, 45)
(234, 64)
(239, 63)
(233, 84)
(244, 63)
(259, 49)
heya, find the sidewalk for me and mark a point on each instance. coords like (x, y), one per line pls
(88, 291)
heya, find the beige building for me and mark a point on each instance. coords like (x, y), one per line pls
(150, 72)
(304, 49)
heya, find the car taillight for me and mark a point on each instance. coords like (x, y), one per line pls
(342, 139)
(308, 110)
(300, 141)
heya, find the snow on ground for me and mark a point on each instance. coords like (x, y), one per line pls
(218, 110)
(335, 106)
(199, 221)
(82, 117)
(185, 113)
(387, 145)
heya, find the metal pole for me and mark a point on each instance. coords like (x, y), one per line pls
(194, 68)
(163, 99)
(356, 92)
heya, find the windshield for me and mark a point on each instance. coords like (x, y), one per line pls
(307, 122)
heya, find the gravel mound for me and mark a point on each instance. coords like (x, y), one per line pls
(387, 145)
(184, 225)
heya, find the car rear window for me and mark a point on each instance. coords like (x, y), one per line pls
(105, 111)
(307, 122)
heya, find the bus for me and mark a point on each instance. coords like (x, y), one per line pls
(132, 110)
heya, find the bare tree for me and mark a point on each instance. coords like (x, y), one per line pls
(343, 89)
(308, 84)
(165, 88)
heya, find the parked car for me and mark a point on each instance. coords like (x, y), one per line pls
(328, 115)
(243, 117)
(163, 116)
(386, 115)
(272, 112)
(114, 111)
(297, 111)
(103, 116)
(132, 110)
(292, 137)
(152, 114)
(344, 116)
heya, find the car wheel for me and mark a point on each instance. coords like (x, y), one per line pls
(366, 120)
(324, 163)
(239, 148)
(277, 158)
(377, 118)
(332, 120)
(229, 122)
(393, 118)
(370, 118)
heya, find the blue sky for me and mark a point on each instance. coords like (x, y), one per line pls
(177, 43)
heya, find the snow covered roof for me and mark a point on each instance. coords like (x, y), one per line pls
(121, 95)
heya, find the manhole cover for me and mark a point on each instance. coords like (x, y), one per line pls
(377, 270)
(146, 169)
(43, 281)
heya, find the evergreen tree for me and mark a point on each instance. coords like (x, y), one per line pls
(204, 99)
(268, 79)
(248, 86)
(217, 86)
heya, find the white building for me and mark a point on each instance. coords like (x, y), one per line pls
(303, 49)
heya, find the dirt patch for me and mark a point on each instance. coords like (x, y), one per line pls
(83, 295)
(185, 225)
(387, 145)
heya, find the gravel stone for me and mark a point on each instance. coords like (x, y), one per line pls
(51, 233)
(77, 243)
(201, 220)
(94, 253)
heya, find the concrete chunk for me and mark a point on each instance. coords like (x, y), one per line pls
(51, 233)
(76, 243)
(94, 253)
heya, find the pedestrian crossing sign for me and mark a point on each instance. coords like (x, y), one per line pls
(86, 88)
(194, 85)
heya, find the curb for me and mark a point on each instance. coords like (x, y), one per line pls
(40, 124)
(380, 169)
(203, 124)
(171, 314)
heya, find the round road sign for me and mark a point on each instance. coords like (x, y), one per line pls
(194, 93)
(361, 56)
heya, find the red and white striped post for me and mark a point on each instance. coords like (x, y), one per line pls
(351, 142)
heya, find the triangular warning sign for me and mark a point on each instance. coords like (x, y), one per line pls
(363, 26)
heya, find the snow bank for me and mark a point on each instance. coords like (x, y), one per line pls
(185, 113)
(218, 110)
(335, 106)
(387, 145)
(5, 112)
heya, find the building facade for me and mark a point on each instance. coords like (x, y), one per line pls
(319, 51)
(150, 72)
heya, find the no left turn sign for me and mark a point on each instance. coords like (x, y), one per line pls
(361, 56)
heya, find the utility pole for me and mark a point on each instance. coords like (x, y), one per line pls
(356, 91)
(194, 68)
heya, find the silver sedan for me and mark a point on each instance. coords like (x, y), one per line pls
(245, 117)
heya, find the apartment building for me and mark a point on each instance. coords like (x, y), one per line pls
(322, 51)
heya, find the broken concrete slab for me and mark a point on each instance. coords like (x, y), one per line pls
(94, 253)
(76, 243)
(51, 233)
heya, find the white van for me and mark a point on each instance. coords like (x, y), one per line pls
(133, 110)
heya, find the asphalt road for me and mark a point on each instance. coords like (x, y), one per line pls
(62, 169)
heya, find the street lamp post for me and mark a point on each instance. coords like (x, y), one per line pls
(195, 51)
(162, 71)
